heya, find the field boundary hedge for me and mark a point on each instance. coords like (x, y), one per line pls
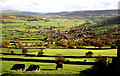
(51, 61)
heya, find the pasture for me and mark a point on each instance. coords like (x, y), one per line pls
(22, 30)
(49, 68)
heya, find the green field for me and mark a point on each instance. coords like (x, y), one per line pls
(49, 68)
(46, 68)
(21, 30)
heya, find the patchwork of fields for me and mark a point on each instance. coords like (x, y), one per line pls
(72, 38)
(49, 68)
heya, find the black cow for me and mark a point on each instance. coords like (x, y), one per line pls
(18, 66)
(33, 67)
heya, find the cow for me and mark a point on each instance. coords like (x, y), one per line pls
(33, 67)
(18, 66)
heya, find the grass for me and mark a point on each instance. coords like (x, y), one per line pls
(67, 52)
(53, 58)
(46, 68)
(80, 52)
(13, 20)
(49, 68)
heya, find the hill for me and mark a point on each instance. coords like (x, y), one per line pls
(87, 13)
(72, 13)
(21, 12)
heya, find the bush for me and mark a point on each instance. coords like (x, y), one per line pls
(89, 53)
(60, 59)
(12, 52)
(15, 45)
(71, 46)
(62, 43)
(40, 53)
(48, 46)
(78, 47)
(5, 44)
(20, 45)
(98, 44)
(113, 47)
(101, 59)
(24, 51)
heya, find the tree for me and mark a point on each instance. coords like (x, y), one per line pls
(71, 46)
(98, 44)
(48, 46)
(113, 46)
(40, 52)
(101, 59)
(71, 42)
(12, 52)
(15, 44)
(5, 44)
(20, 45)
(89, 53)
(24, 50)
(41, 43)
(36, 44)
(59, 61)
(63, 43)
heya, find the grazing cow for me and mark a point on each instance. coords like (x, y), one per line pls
(33, 67)
(18, 66)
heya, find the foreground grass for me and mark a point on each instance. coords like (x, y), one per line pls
(49, 68)
(46, 68)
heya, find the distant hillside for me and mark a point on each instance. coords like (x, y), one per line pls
(73, 13)
(21, 12)
(87, 13)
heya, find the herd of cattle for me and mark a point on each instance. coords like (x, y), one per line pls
(22, 66)
(31, 67)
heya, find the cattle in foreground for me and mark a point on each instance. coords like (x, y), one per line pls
(18, 66)
(33, 68)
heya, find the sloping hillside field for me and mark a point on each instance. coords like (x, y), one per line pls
(56, 44)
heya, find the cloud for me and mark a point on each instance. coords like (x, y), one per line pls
(57, 5)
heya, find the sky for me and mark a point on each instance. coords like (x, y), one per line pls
(57, 5)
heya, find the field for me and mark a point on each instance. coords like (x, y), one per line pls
(73, 38)
(49, 68)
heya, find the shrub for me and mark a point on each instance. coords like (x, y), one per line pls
(24, 50)
(48, 46)
(89, 53)
(78, 47)
(5, 44)
(60, 59)
(36, 44)
(71, 46)
(40, 53)
(15, 45)
(63, 43)
(20, 45)
(8, 50)
(98, 44)
(113, 47)
(100, 59)
(12, 52)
